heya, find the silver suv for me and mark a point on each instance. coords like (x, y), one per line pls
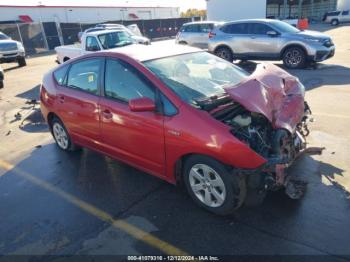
(266, 39)
(337, 17)
(196, 33)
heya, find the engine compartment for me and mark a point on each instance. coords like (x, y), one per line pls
(251, 128)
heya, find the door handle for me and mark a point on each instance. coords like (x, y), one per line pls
(61, 99)
(107, 114)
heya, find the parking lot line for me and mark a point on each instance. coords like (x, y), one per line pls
(120, 224)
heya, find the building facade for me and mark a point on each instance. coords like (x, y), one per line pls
(238, 9)
(85, 14)
(226, 10)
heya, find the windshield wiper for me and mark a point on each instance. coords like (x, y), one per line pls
(212, 102)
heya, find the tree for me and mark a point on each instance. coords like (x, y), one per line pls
(194, 12)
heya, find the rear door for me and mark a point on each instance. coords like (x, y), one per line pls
(236, 36)
(78, 99)
(134, 137)
(345, 16)
(260, 44)
(203, 35)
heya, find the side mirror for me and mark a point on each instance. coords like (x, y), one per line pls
(272, 33)
(143, 104)
(93, 48)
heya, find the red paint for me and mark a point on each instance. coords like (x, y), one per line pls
(274, 93)
(151, 141)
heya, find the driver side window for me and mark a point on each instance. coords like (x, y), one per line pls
(124, 83)
(92, 44)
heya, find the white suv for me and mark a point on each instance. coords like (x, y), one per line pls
(336, 17)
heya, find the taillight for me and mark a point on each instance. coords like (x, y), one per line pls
(211, 34)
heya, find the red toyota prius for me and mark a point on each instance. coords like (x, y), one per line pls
(183, 115)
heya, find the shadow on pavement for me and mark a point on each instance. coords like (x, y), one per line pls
(31, 94)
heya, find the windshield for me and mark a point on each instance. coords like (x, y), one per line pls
(284, 27)
(3, 36)
(196, 76)
(115, 39)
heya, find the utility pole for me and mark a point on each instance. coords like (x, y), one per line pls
(300, 9)
(285, 4)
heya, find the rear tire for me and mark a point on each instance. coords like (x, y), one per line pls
(294, 58)
(212, 186)
(224, 53)
(1, 84)
(335, 22)
(61, 135)
(22, 62)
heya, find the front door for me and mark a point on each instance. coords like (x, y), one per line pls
(134, 137)
(261, 45)
(78, 99)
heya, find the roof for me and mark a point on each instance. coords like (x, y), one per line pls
(107, 5)
(253, 20)
(203, 22)
(149, 52)
(104, 31)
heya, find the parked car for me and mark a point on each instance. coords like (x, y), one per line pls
(337, 17)
(1, 77)
(265, 39)
(132, 30)
(196, 33)
(182, 114)
(93, 42)
(11, 51)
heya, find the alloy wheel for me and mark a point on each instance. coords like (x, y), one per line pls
(207, 185)
(293, 58)
(60, 135)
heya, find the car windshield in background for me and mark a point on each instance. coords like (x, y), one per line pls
(196, 76)
(3, 37)
(284, 27)
(115, 39)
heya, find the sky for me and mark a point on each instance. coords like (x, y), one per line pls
(183, 4)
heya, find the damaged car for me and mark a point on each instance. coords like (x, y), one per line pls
(185, 116)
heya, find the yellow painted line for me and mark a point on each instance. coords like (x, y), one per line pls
(120, 224)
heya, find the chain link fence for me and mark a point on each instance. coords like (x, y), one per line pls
(31, 35)
(41, 37)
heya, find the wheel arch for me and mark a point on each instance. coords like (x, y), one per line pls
(179, 165)
(223, 45)
(293, 45)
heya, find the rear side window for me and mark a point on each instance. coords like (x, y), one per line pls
(206, 28)
(92, 44)
(345, 13)
(258, 29)
(238, 29)
(192, 28)
(335, 13)
(60, 75)
(85, 75)
(124, 82)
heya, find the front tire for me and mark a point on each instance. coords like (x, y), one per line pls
(1, 84)
(294, 58)
(224, 53)
(22, 62)
(335, 22)
(61, 135)
(212, 186)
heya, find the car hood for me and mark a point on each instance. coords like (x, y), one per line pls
(140, 38)
(274, 93)
(311, 34)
